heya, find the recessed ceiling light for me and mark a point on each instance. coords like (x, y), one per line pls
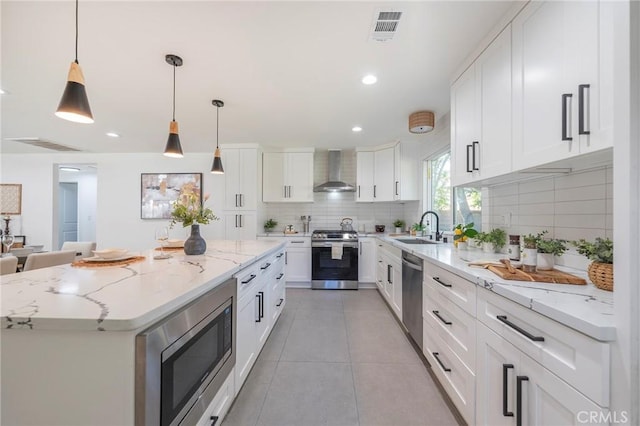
(356, 129)
(2, 92)
(369, 79)
(113, 135)
(69, 169)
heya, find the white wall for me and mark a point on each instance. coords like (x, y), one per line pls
(118, 222)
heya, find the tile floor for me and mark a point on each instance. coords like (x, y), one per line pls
(338, 358)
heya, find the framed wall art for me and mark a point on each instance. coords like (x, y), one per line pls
(10, 198)
(160, 190)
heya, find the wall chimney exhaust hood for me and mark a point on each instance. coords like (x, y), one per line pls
(334, 183)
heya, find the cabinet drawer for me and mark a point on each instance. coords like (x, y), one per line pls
(278, 297)
(388, 250)
(220, 404)
(451, 323)
(454, 376)
(299, 242)
(578, 359)
(449, 285)
(247, 278)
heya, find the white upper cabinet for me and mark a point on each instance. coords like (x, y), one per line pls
(387, 173)
(405, 184)
(481, 115)
(364, 175)
(241, 178)
(561, 81)
(383, 179)
(287, 177)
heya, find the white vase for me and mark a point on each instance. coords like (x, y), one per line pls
(462, 245)
(545, 262)
(488, 248)
(398, 230)
(529, 259)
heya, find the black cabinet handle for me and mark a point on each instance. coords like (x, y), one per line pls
(519, 380)
(468, 157)
(389, 279)
(582, 114)
(280, 303)
(473, 155)
(261, 293)
(249, 280)
(214, 420)
(374, 191)
(286, 258)
(236, 200)
(241, 200)
(565, 112)
(279, 277)
(360, 248)
(436, 356)
(437, 279)
(259, 297)
(505, 383)
(265, 266)
(437, 313)
(280, 255)
(397, 187)
(525, 333)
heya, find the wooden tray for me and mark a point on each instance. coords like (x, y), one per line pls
(553, 276)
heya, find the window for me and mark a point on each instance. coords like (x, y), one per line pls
(453, 205)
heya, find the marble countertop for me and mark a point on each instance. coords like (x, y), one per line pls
(585, 308)
(282, 234)
(121, 298)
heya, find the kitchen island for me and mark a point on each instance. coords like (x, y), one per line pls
(68, 333)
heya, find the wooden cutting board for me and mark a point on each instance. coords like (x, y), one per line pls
(553, 276)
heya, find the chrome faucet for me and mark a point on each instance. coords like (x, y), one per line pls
(438, 233)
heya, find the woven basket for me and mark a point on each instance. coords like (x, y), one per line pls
(601, 274)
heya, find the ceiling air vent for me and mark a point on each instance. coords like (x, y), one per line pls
(42, 143)
(385, 25)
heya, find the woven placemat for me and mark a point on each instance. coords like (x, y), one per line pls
(84, 264)
(170, 248)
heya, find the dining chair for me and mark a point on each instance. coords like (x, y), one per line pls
(44, 260)
(8, 265)
(83, 247)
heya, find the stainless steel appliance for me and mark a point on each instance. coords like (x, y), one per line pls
(334, 260)
(412, 296)
(182, 361)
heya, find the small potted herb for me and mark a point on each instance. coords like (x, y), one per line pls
(269, 225)
(600, 253)
(399, 224)
(530, 251)
(417, 228)
(461, 233)
(547, 249)
(484, 238)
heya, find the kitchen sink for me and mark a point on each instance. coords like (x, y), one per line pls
(414, 241)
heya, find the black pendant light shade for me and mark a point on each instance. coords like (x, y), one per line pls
(217, 168)
(173, 148)
(74, 105)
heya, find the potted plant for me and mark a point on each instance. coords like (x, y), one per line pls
(190, 211)
(417, 228)
(600, 253)
(461, 233)
(269, 225)
(399, 224)
(498, 237)
(484, 238)
(547, 249)
(530, 251)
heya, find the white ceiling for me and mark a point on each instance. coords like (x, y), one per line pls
(288, 72)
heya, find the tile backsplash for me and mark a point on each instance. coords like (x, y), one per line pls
(572, 206)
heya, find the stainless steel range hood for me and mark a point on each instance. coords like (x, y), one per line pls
(334, 184)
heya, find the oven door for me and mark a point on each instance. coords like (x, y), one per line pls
(328, 267)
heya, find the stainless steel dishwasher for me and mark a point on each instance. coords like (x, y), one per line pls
(412, 296)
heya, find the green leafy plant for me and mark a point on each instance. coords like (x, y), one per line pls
(270, 224)
(498, 237)
(552, 246)
(462, 232)
(399, 223)
(188, 209)
(483, 237)
(418, 227)
(599, 251)
(531, 241)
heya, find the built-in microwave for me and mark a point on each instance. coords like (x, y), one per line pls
(182, 361)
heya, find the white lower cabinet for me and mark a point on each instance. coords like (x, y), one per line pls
(366, 260)
(298, 260)
(220, 404)
(513, 389)
(389, 275)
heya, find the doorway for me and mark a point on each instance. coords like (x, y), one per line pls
(68, 212)
(75, 203)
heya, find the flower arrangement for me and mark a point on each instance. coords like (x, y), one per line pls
(462, 232)
(188, 210)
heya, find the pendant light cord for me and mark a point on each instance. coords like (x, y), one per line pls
(76, 61)
(217, 124)
(174, 92)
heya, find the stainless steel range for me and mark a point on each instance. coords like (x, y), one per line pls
(334, 260)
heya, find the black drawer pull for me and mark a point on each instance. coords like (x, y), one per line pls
(435, 354)
(437, 313)
(525, 333)
(279, 277)
(519, 380)
(259, 297)
(437, 279)
(505, 383)
(280, 303)
(249, 280)
(280, 255)
(265, 266)
(214, 420)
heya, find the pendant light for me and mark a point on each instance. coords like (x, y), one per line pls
(217, 169)
(173, 148)
(74, 105)
(421, 122)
